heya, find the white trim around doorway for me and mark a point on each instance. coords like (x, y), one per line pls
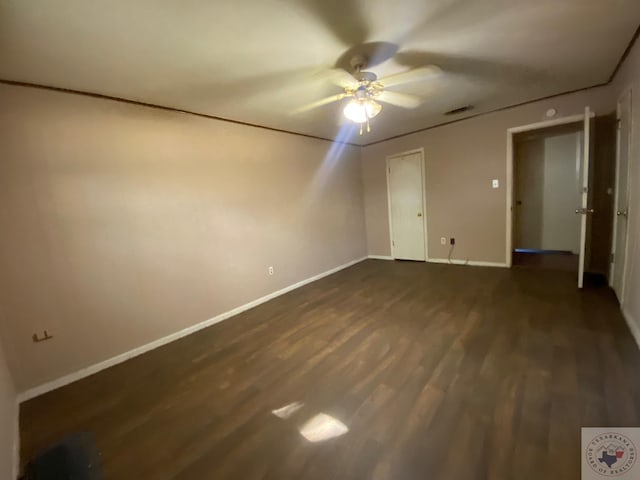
(424, 200)
(510, 160)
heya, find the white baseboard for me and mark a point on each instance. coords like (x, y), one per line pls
(85, 372)
(632, 324)
(380, 257)
(472, 263)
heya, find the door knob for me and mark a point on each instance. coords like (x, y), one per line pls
(419, 214)
(622, 213)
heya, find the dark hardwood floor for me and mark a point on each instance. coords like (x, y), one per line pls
(438, 371)
(547, 261)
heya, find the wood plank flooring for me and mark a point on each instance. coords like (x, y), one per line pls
(439, 372)
(548, 261)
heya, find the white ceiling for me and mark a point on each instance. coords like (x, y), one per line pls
(256, 61)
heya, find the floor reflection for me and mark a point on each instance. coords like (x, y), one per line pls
(322, 427)
(288, 410)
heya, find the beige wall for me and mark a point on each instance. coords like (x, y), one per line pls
(629, 77)
(123, 224)
(8, 421)
(461, 160)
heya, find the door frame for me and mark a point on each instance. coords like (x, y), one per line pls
(511, 132)
(626, 92)
(424, 199)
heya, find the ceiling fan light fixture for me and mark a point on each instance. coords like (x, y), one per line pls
(361, 110)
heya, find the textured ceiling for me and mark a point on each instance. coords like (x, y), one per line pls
(257, 61)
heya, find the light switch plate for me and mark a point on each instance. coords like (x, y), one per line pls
(495, 183)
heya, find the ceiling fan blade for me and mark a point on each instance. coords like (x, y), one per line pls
(399, 99)
(345, 19)
(320, 103)
(411, 76)
(341, 78)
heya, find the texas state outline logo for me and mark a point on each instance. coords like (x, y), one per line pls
(610, 452)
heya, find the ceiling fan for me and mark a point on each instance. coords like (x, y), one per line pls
(365, 90)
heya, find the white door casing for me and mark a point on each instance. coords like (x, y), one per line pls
(585, 209)
(621, 204)
(407, 215)
(510, 190)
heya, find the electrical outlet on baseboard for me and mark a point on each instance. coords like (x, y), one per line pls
(41, 338)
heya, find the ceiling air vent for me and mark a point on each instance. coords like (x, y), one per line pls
(457, 111)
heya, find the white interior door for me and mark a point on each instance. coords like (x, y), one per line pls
(585, 210)
(406, 207)
(622, 195)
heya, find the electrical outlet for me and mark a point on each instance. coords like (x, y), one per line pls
(453, 241)
(270, 270)
(443, 240)
(38, 339)
(495, 183)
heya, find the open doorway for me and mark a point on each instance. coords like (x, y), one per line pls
(583, 210)
(547, 188)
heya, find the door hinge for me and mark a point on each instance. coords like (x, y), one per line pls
(612, 257)
(393, 243)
